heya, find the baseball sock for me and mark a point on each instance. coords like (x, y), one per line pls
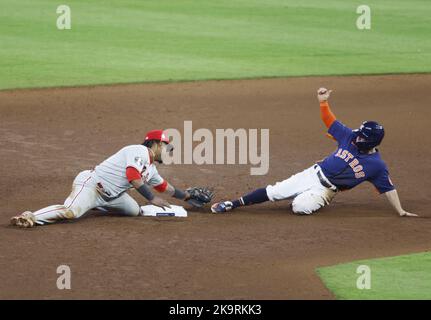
(256, 196)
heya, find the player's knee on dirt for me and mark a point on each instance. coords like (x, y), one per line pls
(299, 208)
(307, 203)
(127, 211)
(131, 209)
(71, 212)
(66, 213)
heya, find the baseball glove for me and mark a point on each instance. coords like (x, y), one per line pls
(199, 196)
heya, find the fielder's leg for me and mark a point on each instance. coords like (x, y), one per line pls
(82, 198)
(124, 205)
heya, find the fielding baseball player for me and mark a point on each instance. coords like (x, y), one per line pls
(106, 186)
(355, 160)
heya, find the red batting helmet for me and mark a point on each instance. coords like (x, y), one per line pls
(157, 135)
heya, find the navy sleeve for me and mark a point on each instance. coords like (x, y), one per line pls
(382, 182)
(339, 131)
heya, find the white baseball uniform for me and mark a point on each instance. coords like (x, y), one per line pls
(307, 190)
(105, 187)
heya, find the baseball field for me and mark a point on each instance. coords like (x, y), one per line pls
(71, 98)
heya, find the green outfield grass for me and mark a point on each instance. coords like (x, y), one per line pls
(403, 277)
(137, 40)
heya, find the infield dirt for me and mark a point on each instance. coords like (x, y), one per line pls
(262, 252)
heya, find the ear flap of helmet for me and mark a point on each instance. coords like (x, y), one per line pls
(372, 132)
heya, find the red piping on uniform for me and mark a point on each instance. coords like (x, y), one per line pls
(82, 188)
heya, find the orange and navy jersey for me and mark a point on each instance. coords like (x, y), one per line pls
(347, 167)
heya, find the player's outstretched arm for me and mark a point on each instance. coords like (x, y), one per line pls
(394, 200)
(325, 111)
(176, 193)
(196, 196)
(140, 186)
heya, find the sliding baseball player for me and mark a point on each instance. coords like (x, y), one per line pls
(355, 160)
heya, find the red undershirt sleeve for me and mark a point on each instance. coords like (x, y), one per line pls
(161, 187)
(132, 174)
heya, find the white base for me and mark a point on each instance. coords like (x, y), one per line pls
(154, 211)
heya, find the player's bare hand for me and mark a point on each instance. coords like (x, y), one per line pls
(323, 94)
(408, 214)
(159, 202)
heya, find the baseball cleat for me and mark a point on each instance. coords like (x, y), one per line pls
(221, 207)
(24, 220)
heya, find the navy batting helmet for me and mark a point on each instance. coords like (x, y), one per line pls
(372, 134)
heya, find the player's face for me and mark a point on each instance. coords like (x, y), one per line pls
(359, 139)
(161, 148)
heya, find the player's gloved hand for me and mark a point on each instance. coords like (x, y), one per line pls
(160, 202)
(408, 214)
(323, 94)
(198, 197)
